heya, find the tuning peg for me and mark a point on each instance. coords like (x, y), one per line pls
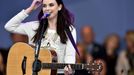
(97, 69)
(93, 69)
(88, 69)
(89, 72)
(94, 61)
(93, 64)
(99, 66)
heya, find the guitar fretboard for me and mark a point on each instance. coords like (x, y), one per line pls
(61, 66)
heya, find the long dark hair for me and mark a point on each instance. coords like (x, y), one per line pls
(108, 37)
(64, 21)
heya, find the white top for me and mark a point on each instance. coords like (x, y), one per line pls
(65, 52)
(122, 64)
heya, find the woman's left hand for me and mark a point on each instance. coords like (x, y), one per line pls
(68, 70)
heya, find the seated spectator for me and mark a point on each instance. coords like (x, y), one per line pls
(125, 63)
(111, 45)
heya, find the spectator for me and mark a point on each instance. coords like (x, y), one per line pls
(82, 52)
(81, 59)
(88, 41)
(125, 63)
(111, 45)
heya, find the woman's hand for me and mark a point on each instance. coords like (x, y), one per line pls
(68, 70)
(35, 4)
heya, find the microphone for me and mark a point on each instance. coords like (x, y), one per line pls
(45, 15)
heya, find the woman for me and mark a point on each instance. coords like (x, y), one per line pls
(58, 20)
(111, 46)
(125, 62)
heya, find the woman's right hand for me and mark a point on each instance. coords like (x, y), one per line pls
(35, 4)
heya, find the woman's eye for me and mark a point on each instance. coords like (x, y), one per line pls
(51, 4)
(44, 5)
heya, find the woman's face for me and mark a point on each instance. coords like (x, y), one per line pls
(130, 45)
(113, 42)
(51, 6)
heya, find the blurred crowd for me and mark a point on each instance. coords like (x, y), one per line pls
(114, 60)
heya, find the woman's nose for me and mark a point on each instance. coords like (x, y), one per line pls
(47, 8)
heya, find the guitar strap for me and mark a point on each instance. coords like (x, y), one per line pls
(69, 34)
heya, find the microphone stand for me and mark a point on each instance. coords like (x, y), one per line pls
(36, 67)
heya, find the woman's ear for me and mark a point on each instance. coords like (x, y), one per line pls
(60, 7)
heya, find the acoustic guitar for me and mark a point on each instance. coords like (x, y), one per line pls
(21, 58)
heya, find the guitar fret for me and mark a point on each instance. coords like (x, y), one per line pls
(61, 66)
(79, 66)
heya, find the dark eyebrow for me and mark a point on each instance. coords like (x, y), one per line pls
(50, 3)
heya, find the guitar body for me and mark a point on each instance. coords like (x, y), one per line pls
(19, 51)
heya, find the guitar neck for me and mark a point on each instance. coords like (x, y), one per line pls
(61, 66)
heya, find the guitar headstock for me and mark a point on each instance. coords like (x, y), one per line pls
(93, 67)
